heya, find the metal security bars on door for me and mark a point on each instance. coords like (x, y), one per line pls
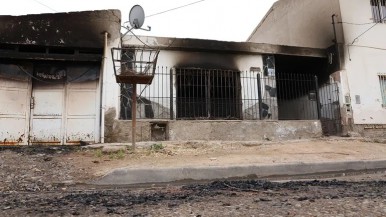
(297, 96)
(330, 109)
(204, 94)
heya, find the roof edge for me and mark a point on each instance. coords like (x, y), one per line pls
(189, 44)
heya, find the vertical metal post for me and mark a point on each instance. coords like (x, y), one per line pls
(208, 93)
(260, 98)
(336, 41)
(317, 97)
(171, 95)
(134, 114)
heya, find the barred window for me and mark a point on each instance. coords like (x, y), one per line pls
(208, 94)
(382, 83)
(378, 9)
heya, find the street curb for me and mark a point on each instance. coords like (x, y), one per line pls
(125, 176)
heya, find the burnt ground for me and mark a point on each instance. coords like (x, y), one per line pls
(41, 181)
(220, 198)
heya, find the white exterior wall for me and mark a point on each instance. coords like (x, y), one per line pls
(364, 60)
(111, 90)
(303, 23)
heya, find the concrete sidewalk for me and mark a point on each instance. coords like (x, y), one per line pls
(209, 160)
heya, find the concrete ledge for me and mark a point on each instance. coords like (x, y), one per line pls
(209, 130)
(126, 176)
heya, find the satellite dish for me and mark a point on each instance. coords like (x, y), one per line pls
(136, 16)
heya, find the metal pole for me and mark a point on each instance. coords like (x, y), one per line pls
(260, 98)
(336, 41)
(171, 95)
(133, 114)
(208, 87)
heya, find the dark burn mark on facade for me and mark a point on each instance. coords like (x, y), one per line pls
(207, 61)
(75, 29)
(49, 49)
(202, 45)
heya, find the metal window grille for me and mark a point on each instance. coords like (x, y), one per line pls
(382, 83)
(208, 94)
(378, 9)
(199, 94)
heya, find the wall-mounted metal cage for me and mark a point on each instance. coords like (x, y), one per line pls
(134, 65)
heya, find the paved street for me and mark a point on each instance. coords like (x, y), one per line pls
(360, 195)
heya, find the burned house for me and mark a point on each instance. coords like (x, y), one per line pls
(216, 90)
(51, 76)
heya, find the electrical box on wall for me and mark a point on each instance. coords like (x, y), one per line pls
(357, 99)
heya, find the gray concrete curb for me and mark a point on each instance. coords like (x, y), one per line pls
(125, 176)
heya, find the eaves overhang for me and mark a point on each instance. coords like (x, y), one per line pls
(188, 44)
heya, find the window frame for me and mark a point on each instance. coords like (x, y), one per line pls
(382, 86)
(378, 10)
(211, 88)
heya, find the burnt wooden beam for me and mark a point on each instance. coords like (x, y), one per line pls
(48, 56)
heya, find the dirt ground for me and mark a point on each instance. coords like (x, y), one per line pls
(40, 167)
(214, 153)
(52, 181)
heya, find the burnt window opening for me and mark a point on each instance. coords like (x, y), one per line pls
(378, 9)
(208, 94)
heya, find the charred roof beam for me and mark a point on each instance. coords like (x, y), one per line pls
(49, 53)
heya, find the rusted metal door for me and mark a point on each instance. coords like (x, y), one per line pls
(47, 110)
(14, 108)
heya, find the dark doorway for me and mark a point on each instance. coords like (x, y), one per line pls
(297, 77)
(305, 91)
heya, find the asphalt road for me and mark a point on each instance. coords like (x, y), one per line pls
(343, 194)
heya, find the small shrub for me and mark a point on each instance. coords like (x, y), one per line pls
(120, 154)
(157, 147)
(98, 153)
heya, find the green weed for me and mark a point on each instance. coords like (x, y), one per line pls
(157, 147)
(98, 153)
